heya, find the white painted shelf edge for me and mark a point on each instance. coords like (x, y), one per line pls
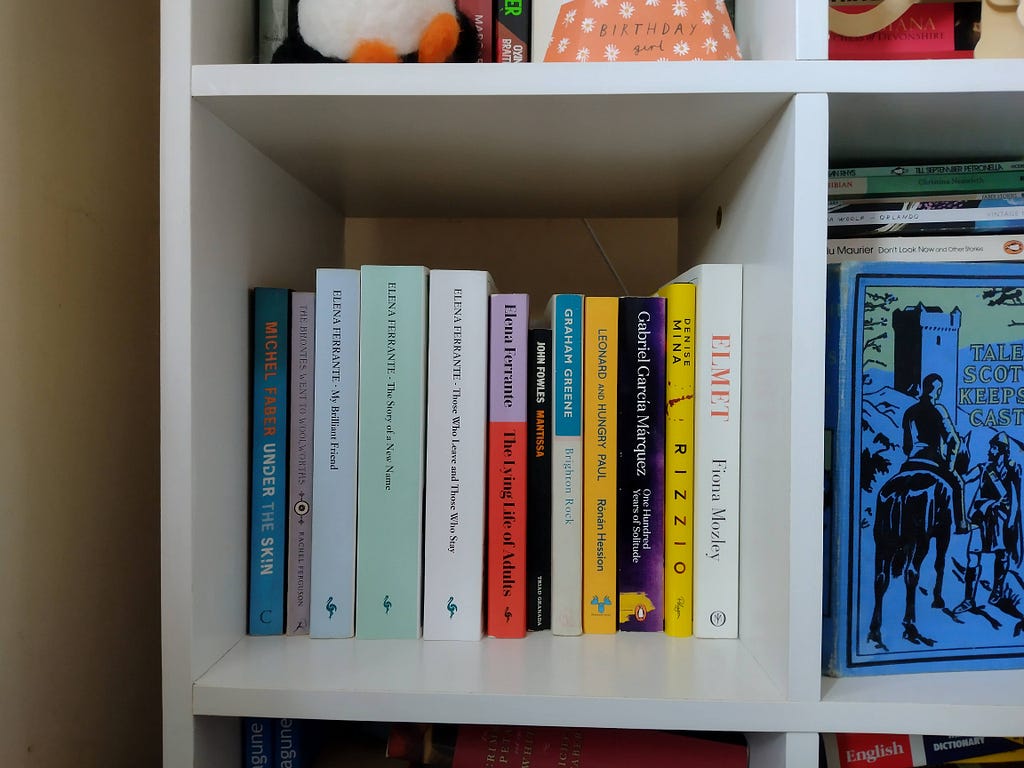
(710, 77)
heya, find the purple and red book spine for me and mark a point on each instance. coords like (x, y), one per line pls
(641, 464)
(507, 466)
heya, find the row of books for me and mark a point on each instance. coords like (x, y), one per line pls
(289, 743)
(924, 419)
(271, 742)
(898, 750)
(525, 746)
(471, 474)
(282, 743)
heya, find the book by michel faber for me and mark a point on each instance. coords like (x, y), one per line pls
(924, 437)
(271, 316)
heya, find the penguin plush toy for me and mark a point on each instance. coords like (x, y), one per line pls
(377, 31)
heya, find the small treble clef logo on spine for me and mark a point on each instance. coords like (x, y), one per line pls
(331, 607)
(452, 607)
(387, 604)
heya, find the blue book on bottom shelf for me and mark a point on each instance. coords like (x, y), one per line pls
(259, 742)
(924, 429)
(270, 742)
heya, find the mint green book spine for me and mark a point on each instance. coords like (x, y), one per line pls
(924, 184)
(392, 420)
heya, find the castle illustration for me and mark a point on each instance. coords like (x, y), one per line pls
(927, 340)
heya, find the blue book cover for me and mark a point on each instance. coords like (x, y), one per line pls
(924, 437)
(269, 500)
(259, 747)
(289, 743)
(335, 419)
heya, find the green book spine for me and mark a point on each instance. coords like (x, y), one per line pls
(392, 418)
(924, 184)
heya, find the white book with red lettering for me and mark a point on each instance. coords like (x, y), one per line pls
(717, 448)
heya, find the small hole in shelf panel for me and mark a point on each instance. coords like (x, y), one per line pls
(718, 218)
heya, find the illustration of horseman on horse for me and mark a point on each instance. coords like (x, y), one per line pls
(925, 501)
(919, 503)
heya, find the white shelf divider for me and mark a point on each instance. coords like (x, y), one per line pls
(262, 164)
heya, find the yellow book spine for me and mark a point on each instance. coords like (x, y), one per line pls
(681, 321)
(600, 403)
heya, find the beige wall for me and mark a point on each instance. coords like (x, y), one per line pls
(79, 502)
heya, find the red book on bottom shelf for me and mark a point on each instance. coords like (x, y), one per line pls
(519, 746)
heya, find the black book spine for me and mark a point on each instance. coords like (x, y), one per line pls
(538, 484)
(512, 20)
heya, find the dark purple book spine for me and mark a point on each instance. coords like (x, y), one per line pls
(641, 464)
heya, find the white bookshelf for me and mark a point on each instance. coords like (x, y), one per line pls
(262, 165)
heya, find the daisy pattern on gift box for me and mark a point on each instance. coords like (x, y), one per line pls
(652, 30)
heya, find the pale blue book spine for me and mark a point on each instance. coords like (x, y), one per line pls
(269, 499)
(392, 429)
(565, 311)
(335, 417)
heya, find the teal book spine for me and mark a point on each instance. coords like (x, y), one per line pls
(392, 430)
(269, 443)
(335, 415)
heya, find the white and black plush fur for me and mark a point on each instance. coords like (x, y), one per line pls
(328, 30)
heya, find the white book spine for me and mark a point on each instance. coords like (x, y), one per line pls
(335, 415)
(971, 247)
(456, 463)
(565, 312)
(566, 536)
(717, 448)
